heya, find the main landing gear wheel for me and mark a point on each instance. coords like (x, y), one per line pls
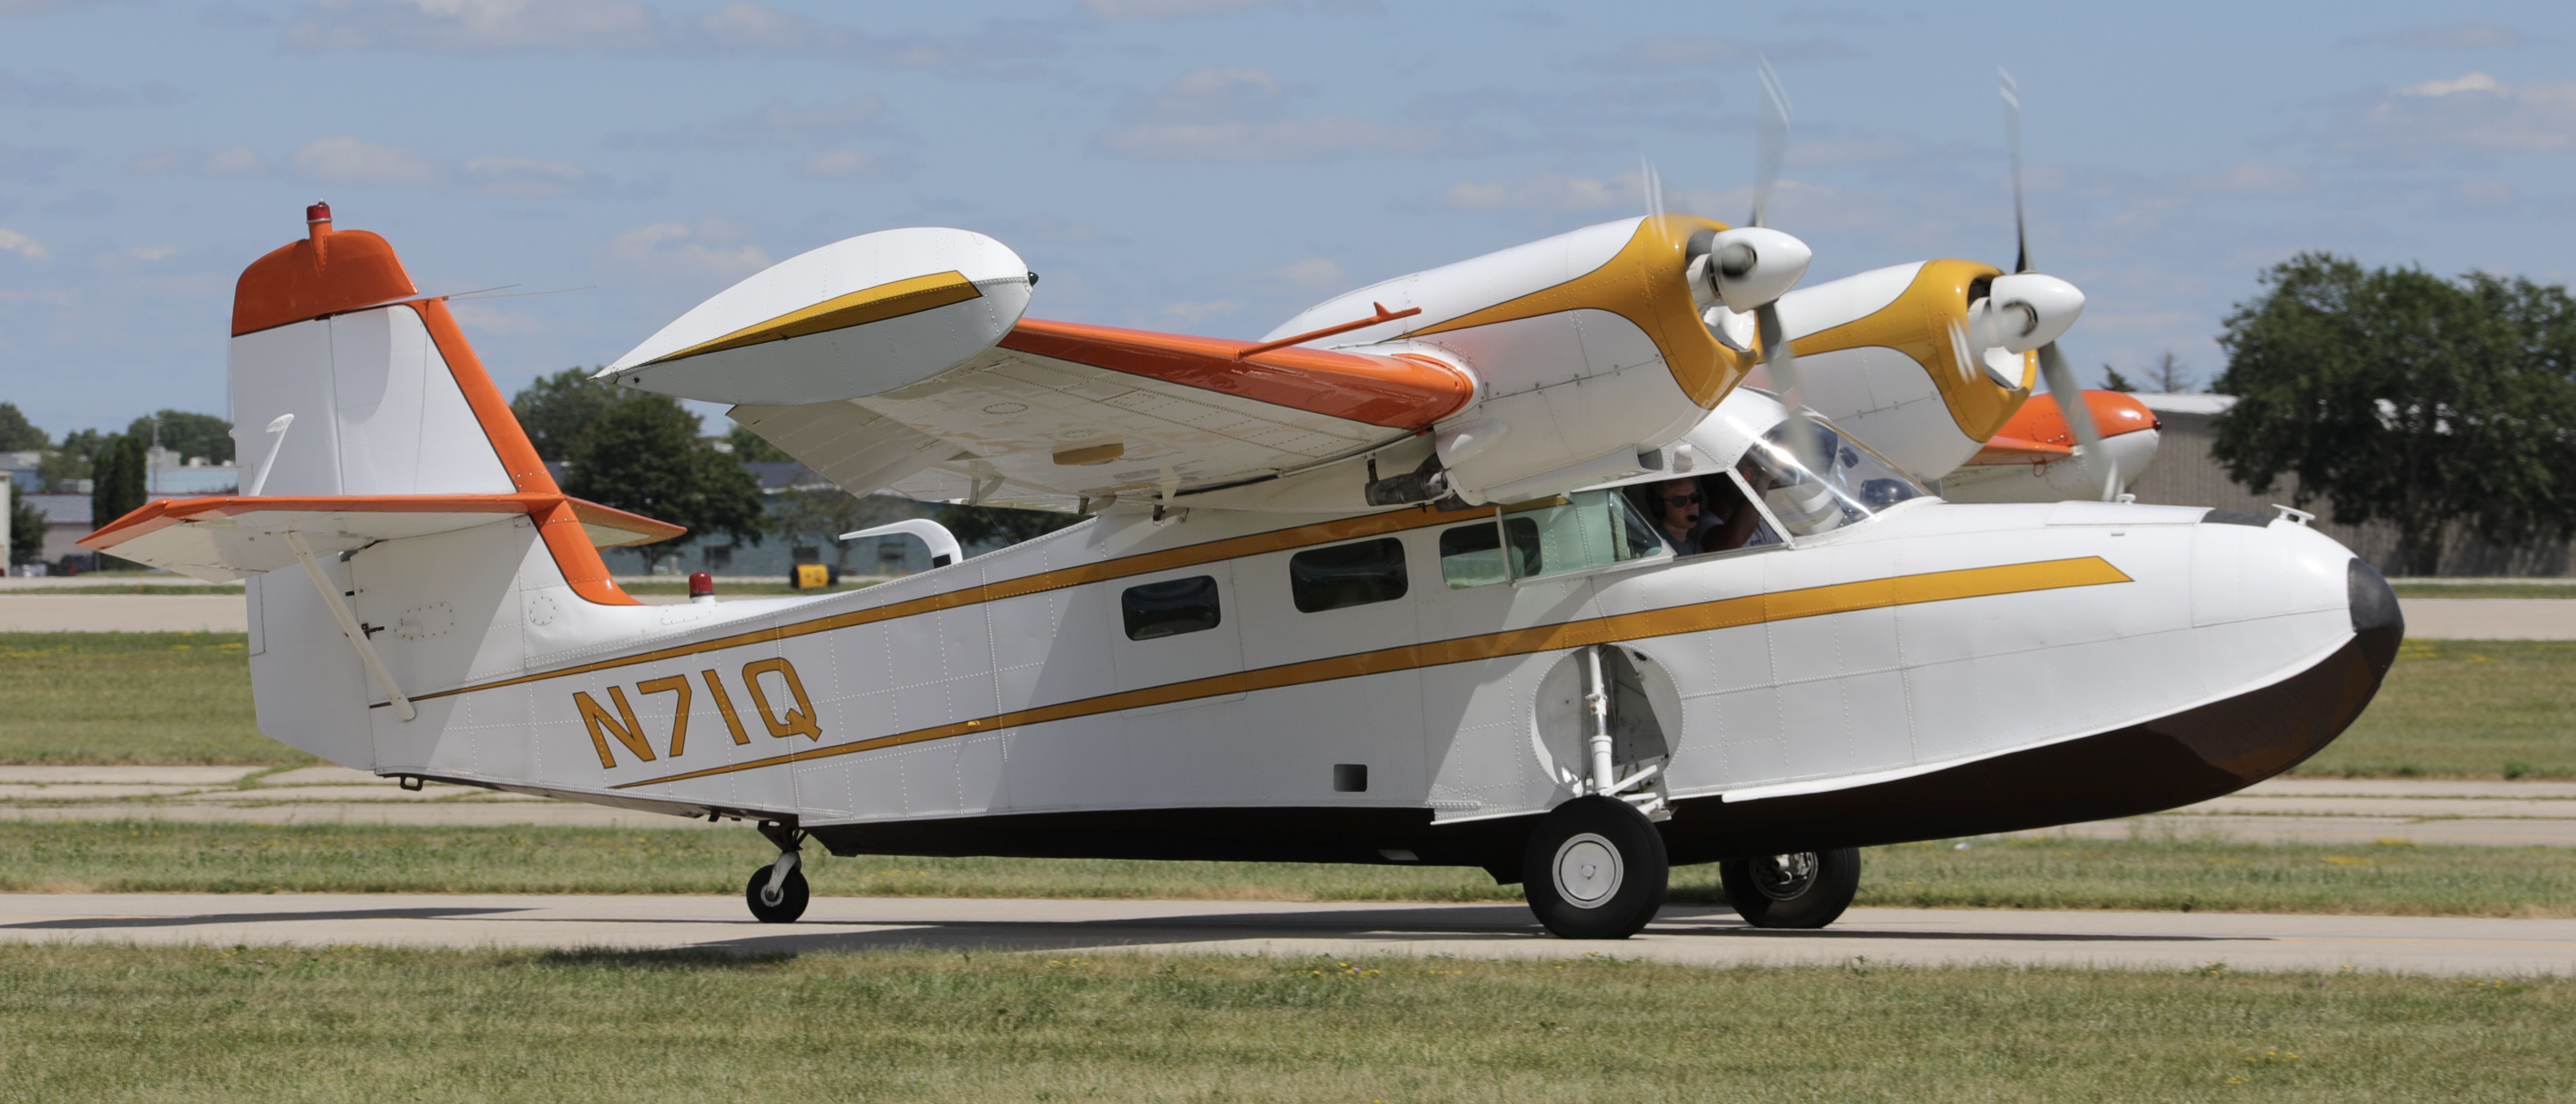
(781, 905)
(1594, 868)
(1805, 890)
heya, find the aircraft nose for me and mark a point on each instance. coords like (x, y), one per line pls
(2377, 623)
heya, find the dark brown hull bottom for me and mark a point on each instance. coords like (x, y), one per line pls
(2190, 756)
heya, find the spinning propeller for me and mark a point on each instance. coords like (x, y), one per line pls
(1746, 270)
(2027, 310)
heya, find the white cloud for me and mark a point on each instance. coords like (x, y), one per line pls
(1549, 192)
(474, 26)
(348, 160)
(152, 252)
(714, 248)
(189, 161)
(2473, 111)
(12, 241)
(1163, 9)
(1200, 312)
(527, 176)
(1311, 274)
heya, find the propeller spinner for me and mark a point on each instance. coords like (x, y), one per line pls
(2028, 310)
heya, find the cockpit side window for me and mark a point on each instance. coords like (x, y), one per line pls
(1583, 530)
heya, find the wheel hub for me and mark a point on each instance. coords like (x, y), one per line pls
(1785, 877)
(1588, 871)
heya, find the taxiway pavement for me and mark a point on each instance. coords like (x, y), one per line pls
(2320, 810)
(1687, 934)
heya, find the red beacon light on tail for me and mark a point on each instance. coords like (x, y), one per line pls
(702, 587)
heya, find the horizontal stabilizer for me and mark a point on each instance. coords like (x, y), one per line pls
(233, 537)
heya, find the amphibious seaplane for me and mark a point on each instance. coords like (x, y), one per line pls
(1400, 584)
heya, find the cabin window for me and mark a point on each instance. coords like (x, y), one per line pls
(1170, 607)
(1584, 530)
(1346, 575)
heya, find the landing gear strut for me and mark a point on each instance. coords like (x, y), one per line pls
(1594, 868)
(1807, 889)
(776, 892)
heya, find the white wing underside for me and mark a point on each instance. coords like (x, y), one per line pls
(989, 432)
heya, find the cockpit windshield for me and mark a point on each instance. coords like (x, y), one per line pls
(1845, 483)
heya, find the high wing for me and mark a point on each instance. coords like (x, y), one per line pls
(900, 359)
(1058, 412)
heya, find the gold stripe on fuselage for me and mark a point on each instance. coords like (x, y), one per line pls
(1726, 613)
(1276, 540)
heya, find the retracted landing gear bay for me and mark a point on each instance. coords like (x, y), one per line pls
(777, 892)
(1594, 868)
(1803, 890)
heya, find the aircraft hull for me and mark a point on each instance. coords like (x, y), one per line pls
(1939, 670)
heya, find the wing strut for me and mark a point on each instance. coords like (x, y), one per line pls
(349, 625)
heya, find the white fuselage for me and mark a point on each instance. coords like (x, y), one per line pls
(1928, 639)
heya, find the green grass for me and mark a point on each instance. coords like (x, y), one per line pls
(2033, 873)
(130, 698)
(2484, 590)
(2466, 708)
(2451, 708)
(268, 1024)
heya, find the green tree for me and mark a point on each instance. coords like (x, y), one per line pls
(187, 434)
(2395, 395)
(824, 513)
(974, 525)
(62, 469)
(2112, 380)
(26, 528)
(752, 448)
(643, 454)
(117, 485)
(555, 409)
(17, 434)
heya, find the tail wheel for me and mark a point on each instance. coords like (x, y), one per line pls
(1594, 868)
(781, 907)
(1807, 889)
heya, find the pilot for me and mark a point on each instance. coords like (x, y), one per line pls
(1681, 515)
(1742, 527)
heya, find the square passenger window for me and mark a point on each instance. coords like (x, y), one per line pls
(1347, 575)
(1171, 607)
(1584, 530)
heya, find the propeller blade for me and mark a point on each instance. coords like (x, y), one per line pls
(2079, 417)
(2012, 139)
(1652, 183)
(1775, 142)
(1782, 364)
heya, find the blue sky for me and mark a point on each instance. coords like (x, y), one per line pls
(1212, 166)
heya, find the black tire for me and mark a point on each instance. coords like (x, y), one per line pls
(791, 897)
(1594, 868)
(1805, 890)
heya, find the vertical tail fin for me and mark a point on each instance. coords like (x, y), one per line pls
(386, 397)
